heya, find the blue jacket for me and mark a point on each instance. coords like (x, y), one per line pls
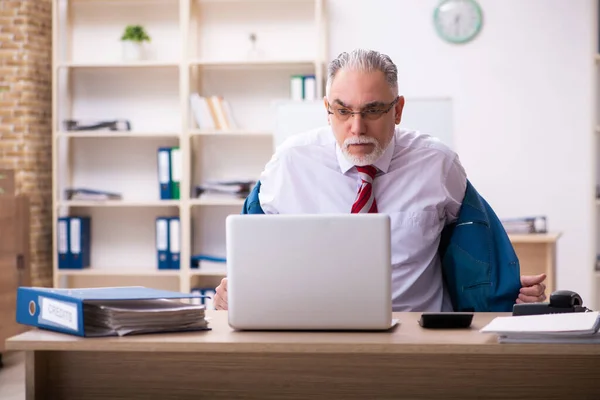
(480, 268)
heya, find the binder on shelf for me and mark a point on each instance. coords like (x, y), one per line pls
(64, 255)
(80, 242)
(175, 242)
(162, 243)
(309, 87)
(206, 296)
(115, 311)
(164, 172)
(297, 87)
(207, 300)
(196, 292)
(176, 172)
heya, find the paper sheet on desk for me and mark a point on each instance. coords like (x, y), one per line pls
(547, 328)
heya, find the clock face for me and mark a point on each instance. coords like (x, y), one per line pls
(458, 21)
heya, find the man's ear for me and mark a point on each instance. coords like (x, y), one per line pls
(398, 109)
(326, 104)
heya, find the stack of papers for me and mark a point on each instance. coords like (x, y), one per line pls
(580, 327)
(128, 317)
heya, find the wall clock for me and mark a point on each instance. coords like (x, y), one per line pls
(458, 21)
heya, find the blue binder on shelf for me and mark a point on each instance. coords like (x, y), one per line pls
(68, 310)
(164, 172)
(79, 242)
(175, 242)
(207, 294)
(162, 243)
(62, 238)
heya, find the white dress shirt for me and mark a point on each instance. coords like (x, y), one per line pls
(420, 185)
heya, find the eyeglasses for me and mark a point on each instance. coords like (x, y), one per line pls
(370, 113)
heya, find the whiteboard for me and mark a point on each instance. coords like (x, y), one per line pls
(428, 115)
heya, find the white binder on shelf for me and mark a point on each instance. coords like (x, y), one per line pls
(162, 243)
(175, 242)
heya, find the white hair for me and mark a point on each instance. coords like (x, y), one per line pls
(367, 61)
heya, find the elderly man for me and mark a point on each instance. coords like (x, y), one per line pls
(362, 162)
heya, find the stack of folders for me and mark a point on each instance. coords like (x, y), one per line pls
(577, 327)
(525, 225)
(117, 311)
(85, 194)
(169, 172)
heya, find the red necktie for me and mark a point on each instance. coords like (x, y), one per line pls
(365, 199)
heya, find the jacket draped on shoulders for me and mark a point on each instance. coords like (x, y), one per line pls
(480, 267)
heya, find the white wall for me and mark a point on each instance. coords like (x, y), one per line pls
(523, 95)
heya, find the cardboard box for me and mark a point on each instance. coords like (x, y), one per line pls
(14, 260)
(7, 182)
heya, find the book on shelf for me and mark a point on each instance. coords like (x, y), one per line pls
(212, 112)
(86, 194)
(74, 242)
(525, 225)
(237, 188)
(109, 311)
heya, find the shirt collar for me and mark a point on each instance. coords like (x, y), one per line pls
(382, 163)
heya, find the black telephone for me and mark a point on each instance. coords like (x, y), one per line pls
(561, 301)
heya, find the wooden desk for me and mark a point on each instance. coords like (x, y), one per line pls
(407, 362)
(537, 254)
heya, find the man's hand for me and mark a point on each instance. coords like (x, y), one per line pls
(532, 290)
(220, 300)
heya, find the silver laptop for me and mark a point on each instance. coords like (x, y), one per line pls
(309, 272)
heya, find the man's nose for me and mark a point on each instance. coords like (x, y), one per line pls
(357, 125)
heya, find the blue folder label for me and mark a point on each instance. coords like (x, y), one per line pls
(58, 312)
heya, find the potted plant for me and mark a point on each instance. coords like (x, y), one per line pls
(133, 42)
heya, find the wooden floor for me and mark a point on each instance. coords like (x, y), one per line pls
(12, 376)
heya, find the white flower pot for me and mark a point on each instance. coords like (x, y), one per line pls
(133, 51)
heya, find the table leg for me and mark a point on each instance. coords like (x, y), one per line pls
(36, 375)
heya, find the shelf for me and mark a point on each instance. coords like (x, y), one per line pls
(209, 272)
(252, 63)
(217, 201)
(117, 272)
(229, 133)
(257, 1)
(119, 203)
(119, 64)
(116, 134)
(534, 237)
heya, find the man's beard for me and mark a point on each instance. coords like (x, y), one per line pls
(362, 159)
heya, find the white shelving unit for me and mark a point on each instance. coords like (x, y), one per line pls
(198, 46)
